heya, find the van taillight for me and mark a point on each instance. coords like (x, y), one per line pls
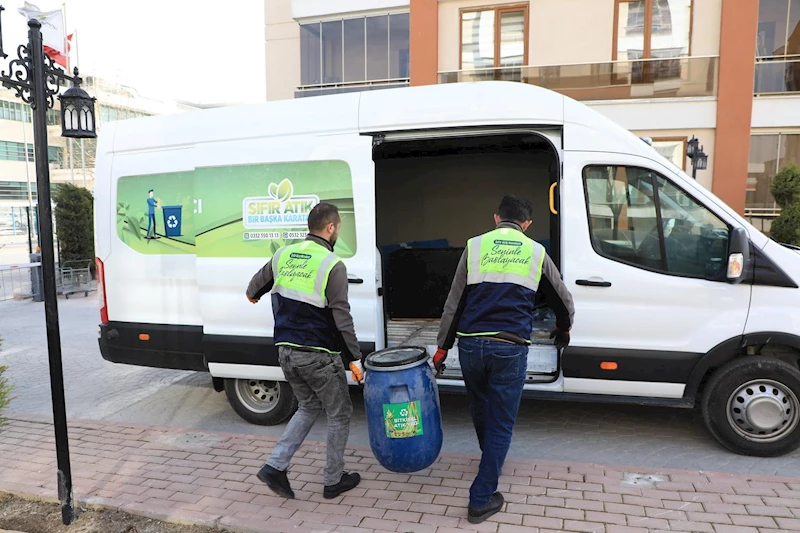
(101, 288)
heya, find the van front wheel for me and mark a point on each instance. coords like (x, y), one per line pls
(751, 406)
(265, 403)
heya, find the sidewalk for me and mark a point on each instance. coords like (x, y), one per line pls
(209, 478)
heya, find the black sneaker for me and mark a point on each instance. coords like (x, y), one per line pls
(277, 481)
(348, 482)
(476, 516)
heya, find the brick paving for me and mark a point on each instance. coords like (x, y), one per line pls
(209, 478)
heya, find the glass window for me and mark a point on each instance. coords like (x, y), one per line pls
(669, 22)
(696, 240)
(773, 20)
(355, 62)
(378, 48)
(493, 38)
(768, 155)
(672, 149)
(761, 169)
(477, 40)
(512, 38)
(399, 36)
(332, 52)
(622, 215)
(310, 73)
(640, 218)
(354, 50)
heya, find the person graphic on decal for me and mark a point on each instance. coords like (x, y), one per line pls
(152, 203)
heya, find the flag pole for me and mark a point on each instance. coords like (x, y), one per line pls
(64, 46)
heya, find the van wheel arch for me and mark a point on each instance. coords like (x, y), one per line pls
(782, 346)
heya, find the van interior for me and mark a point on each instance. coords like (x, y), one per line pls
(434, 194)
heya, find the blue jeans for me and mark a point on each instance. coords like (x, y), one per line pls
(494, 373)
(151, 224)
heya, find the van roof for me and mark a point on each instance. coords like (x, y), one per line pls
(433, 106)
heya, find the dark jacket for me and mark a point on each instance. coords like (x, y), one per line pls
(502, 307)
(299, 323)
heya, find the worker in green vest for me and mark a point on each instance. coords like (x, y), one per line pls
(313, 329)
(489, 309)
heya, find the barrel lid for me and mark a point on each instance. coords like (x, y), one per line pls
(393, 357)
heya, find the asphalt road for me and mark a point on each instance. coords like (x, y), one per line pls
(563, 431)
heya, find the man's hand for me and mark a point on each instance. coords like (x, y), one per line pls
(357, 370)
(252, 300)
(438, 360)
(560, 338)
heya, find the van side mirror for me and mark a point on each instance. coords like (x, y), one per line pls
(738, 255)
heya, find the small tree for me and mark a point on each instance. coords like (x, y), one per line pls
(786, 190)
(5, 392)
(74, 214)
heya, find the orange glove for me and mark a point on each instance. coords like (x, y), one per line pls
(438, 360)
(357, 369)
(252, 300)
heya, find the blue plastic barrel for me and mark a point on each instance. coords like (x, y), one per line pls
(404, 418)
(172, 220)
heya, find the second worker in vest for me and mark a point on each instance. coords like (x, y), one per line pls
(490, 309)
(313, 327)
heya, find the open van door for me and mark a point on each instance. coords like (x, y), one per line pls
(256, 195)
(646, 261)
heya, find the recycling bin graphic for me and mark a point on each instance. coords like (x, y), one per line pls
(172, 220)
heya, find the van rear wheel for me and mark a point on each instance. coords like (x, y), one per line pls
(265, 403)
(751, 406)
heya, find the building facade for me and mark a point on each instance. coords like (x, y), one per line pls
(71, 161)
(724, 71)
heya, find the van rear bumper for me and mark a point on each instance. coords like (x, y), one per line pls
(168, 346)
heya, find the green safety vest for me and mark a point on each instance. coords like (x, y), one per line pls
(301, 272)
(505, 255)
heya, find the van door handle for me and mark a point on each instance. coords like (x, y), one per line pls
(355, 281)
(553, 198)
(590, 283)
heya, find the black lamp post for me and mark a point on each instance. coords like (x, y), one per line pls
(37, 80)
(699, 158)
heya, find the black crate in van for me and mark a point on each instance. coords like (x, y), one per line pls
(418, 281)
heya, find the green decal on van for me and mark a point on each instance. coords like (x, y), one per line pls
(155, 213)
(236, 211)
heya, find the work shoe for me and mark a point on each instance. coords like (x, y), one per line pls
(277, 481)
(476, 516)
(348, 482)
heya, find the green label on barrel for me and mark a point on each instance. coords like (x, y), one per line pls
(402, 420)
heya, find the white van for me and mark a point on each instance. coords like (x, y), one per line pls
(678, 300)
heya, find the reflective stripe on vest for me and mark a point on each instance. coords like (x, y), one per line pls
(505, 255)
(301, 272)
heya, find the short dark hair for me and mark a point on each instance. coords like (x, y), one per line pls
(514, 209)
(151, 190)
(322, 215)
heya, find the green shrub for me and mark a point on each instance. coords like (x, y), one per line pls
(5, 392)
(74, 213)
(786, 190)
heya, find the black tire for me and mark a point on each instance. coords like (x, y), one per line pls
(279, 403)
(771, 384)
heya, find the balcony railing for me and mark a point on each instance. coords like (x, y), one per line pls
(777, 76)
(678, 77)
(349, 87)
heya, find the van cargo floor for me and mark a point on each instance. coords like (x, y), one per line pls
(412, 332)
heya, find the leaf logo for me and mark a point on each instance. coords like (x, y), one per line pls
(281, 192)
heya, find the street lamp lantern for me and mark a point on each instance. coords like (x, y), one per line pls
(691, 147)
(701, 160)
(77, 111)
(695, 152)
